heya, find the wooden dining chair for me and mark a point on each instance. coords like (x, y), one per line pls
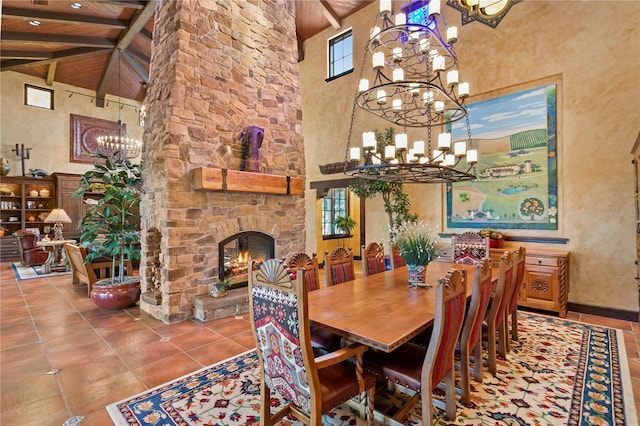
(469, 248)
(470, 342)
(322, 341)
(280, 322)
(493, 325)
(421, 369)
(338, 266)
(511, 311)
(310, 266)
(396, 259)
(372, 259)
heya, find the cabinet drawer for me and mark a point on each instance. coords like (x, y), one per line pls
(9, 243)
(543, 261)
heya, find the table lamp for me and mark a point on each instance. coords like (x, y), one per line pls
(58, 217)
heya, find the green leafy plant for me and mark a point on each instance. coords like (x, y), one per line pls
(416, 242)
(396, 201)
(345, 224)
(110, 225)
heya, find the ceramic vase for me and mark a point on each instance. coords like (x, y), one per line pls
(417, 274)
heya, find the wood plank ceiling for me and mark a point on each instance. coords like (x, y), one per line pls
(85, 46)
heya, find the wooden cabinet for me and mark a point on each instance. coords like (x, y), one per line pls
(9, 251)
(66, 185)
(26, 202)
(546, 280)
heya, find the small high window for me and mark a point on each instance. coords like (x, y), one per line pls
(340, 54)
(333, 205)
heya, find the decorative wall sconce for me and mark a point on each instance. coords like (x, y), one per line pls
(489, 12)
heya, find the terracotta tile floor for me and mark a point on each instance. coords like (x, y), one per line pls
(104, 356)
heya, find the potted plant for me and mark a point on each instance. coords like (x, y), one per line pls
(416, 243)
(496, 238)
(345, 224)
(109, 227)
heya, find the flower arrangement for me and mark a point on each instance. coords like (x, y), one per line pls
(416, 242)
(491, 233)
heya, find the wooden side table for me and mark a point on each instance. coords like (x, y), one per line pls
(55, 247)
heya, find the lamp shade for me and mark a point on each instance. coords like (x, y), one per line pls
(58, 215)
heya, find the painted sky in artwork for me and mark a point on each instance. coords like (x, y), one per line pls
(505, 115)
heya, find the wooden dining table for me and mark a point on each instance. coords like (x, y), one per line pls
(381, 310)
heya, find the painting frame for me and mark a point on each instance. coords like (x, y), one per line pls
(516, 133)
(84, 134)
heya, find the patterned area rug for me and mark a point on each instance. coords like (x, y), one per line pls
(23, 272)
(560, 373)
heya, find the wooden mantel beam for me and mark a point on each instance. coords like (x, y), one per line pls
(214, 179)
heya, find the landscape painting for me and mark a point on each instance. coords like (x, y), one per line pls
(516, 184)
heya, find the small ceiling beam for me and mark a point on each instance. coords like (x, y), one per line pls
(51, 73)
(330, 14)
(39, 38)
(61, 18)
(78, 52)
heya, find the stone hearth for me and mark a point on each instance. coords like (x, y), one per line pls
(207, 308)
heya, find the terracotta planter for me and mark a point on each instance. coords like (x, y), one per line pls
(496, 243)
(116, 296)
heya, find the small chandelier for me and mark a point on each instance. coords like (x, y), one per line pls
(416, 85)
(118, 141)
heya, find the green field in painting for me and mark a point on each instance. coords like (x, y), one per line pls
(501, 196)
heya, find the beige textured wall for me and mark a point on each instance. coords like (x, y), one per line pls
(593, 49)
(47, 132)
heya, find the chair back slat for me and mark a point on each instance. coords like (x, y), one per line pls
(450, 308)
(495, 314)
(480, 297)
(519, 264)
(372, 259)
(339, 266)
(310, 266)
(396, 259)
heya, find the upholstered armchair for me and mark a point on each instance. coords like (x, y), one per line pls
(31, 254)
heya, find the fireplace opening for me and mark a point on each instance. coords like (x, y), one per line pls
(236, 252)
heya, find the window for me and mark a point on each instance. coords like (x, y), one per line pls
(340, 55)
(333, 205)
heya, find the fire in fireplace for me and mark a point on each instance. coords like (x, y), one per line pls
(236, 252)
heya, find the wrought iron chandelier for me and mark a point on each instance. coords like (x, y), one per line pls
(416, 85)
(118, 142)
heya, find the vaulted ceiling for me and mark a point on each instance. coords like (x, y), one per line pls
(90, 46)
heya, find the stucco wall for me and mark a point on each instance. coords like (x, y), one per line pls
(47, 132)
(593, 50)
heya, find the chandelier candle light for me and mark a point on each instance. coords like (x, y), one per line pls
(119, 141)
(416, 85)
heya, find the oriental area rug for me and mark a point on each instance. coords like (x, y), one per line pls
(23, 272)
(560, 372)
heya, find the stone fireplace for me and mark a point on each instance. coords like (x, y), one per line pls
(217, 68)
(235, 253)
